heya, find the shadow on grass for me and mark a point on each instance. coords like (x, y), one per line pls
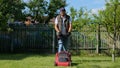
(20, 56)
(74, 64)
(12, 56)
(89, 66)
(77, 62)
(93, 60)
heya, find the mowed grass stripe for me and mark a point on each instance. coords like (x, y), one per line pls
(47, 61)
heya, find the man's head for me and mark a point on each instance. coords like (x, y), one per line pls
(28, 18)
(62, 11)
(28, 21)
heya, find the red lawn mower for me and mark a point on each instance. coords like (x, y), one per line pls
(62, 58)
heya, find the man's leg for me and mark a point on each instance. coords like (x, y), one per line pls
(59, 45)
(67, 43)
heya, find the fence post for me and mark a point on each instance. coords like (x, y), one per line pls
(84, 41)
(53, 42)
(77, 47)
(98, 40)
(11, 36)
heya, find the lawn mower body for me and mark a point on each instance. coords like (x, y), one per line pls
(63, 58)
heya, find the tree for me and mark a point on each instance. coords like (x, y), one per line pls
(53, 8)
(81, 18)
(38, 9)
(73, 13)
(10, 8)
(110, 20)
(42, 8)
(97, 22)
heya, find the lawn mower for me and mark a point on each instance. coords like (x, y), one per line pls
(62, 57)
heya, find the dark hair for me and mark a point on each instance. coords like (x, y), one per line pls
(28, 18)
(62, 9)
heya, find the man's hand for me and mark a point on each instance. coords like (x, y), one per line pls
(69, 33)
(59, 33)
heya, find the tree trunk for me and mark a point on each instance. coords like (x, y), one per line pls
(114, 39)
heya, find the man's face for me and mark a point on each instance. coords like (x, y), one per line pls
(62, 13)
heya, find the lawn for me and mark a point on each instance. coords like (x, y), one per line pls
(47, 61)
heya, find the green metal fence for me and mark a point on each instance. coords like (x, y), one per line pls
(5, 41)
(88, 40)
(43, 39)
(24, 39)
(32, 38)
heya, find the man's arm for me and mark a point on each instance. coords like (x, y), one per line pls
(70, 25)
(56, 26)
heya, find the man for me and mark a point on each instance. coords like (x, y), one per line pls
(28, 21)
(63, 27)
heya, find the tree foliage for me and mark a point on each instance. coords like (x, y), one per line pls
(41, 8)
(10, 8)
(110, 16)
(80, 18)
(38, 8)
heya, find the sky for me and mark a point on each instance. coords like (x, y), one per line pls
(93, 5)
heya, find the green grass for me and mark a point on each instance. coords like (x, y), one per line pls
(47, 61)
